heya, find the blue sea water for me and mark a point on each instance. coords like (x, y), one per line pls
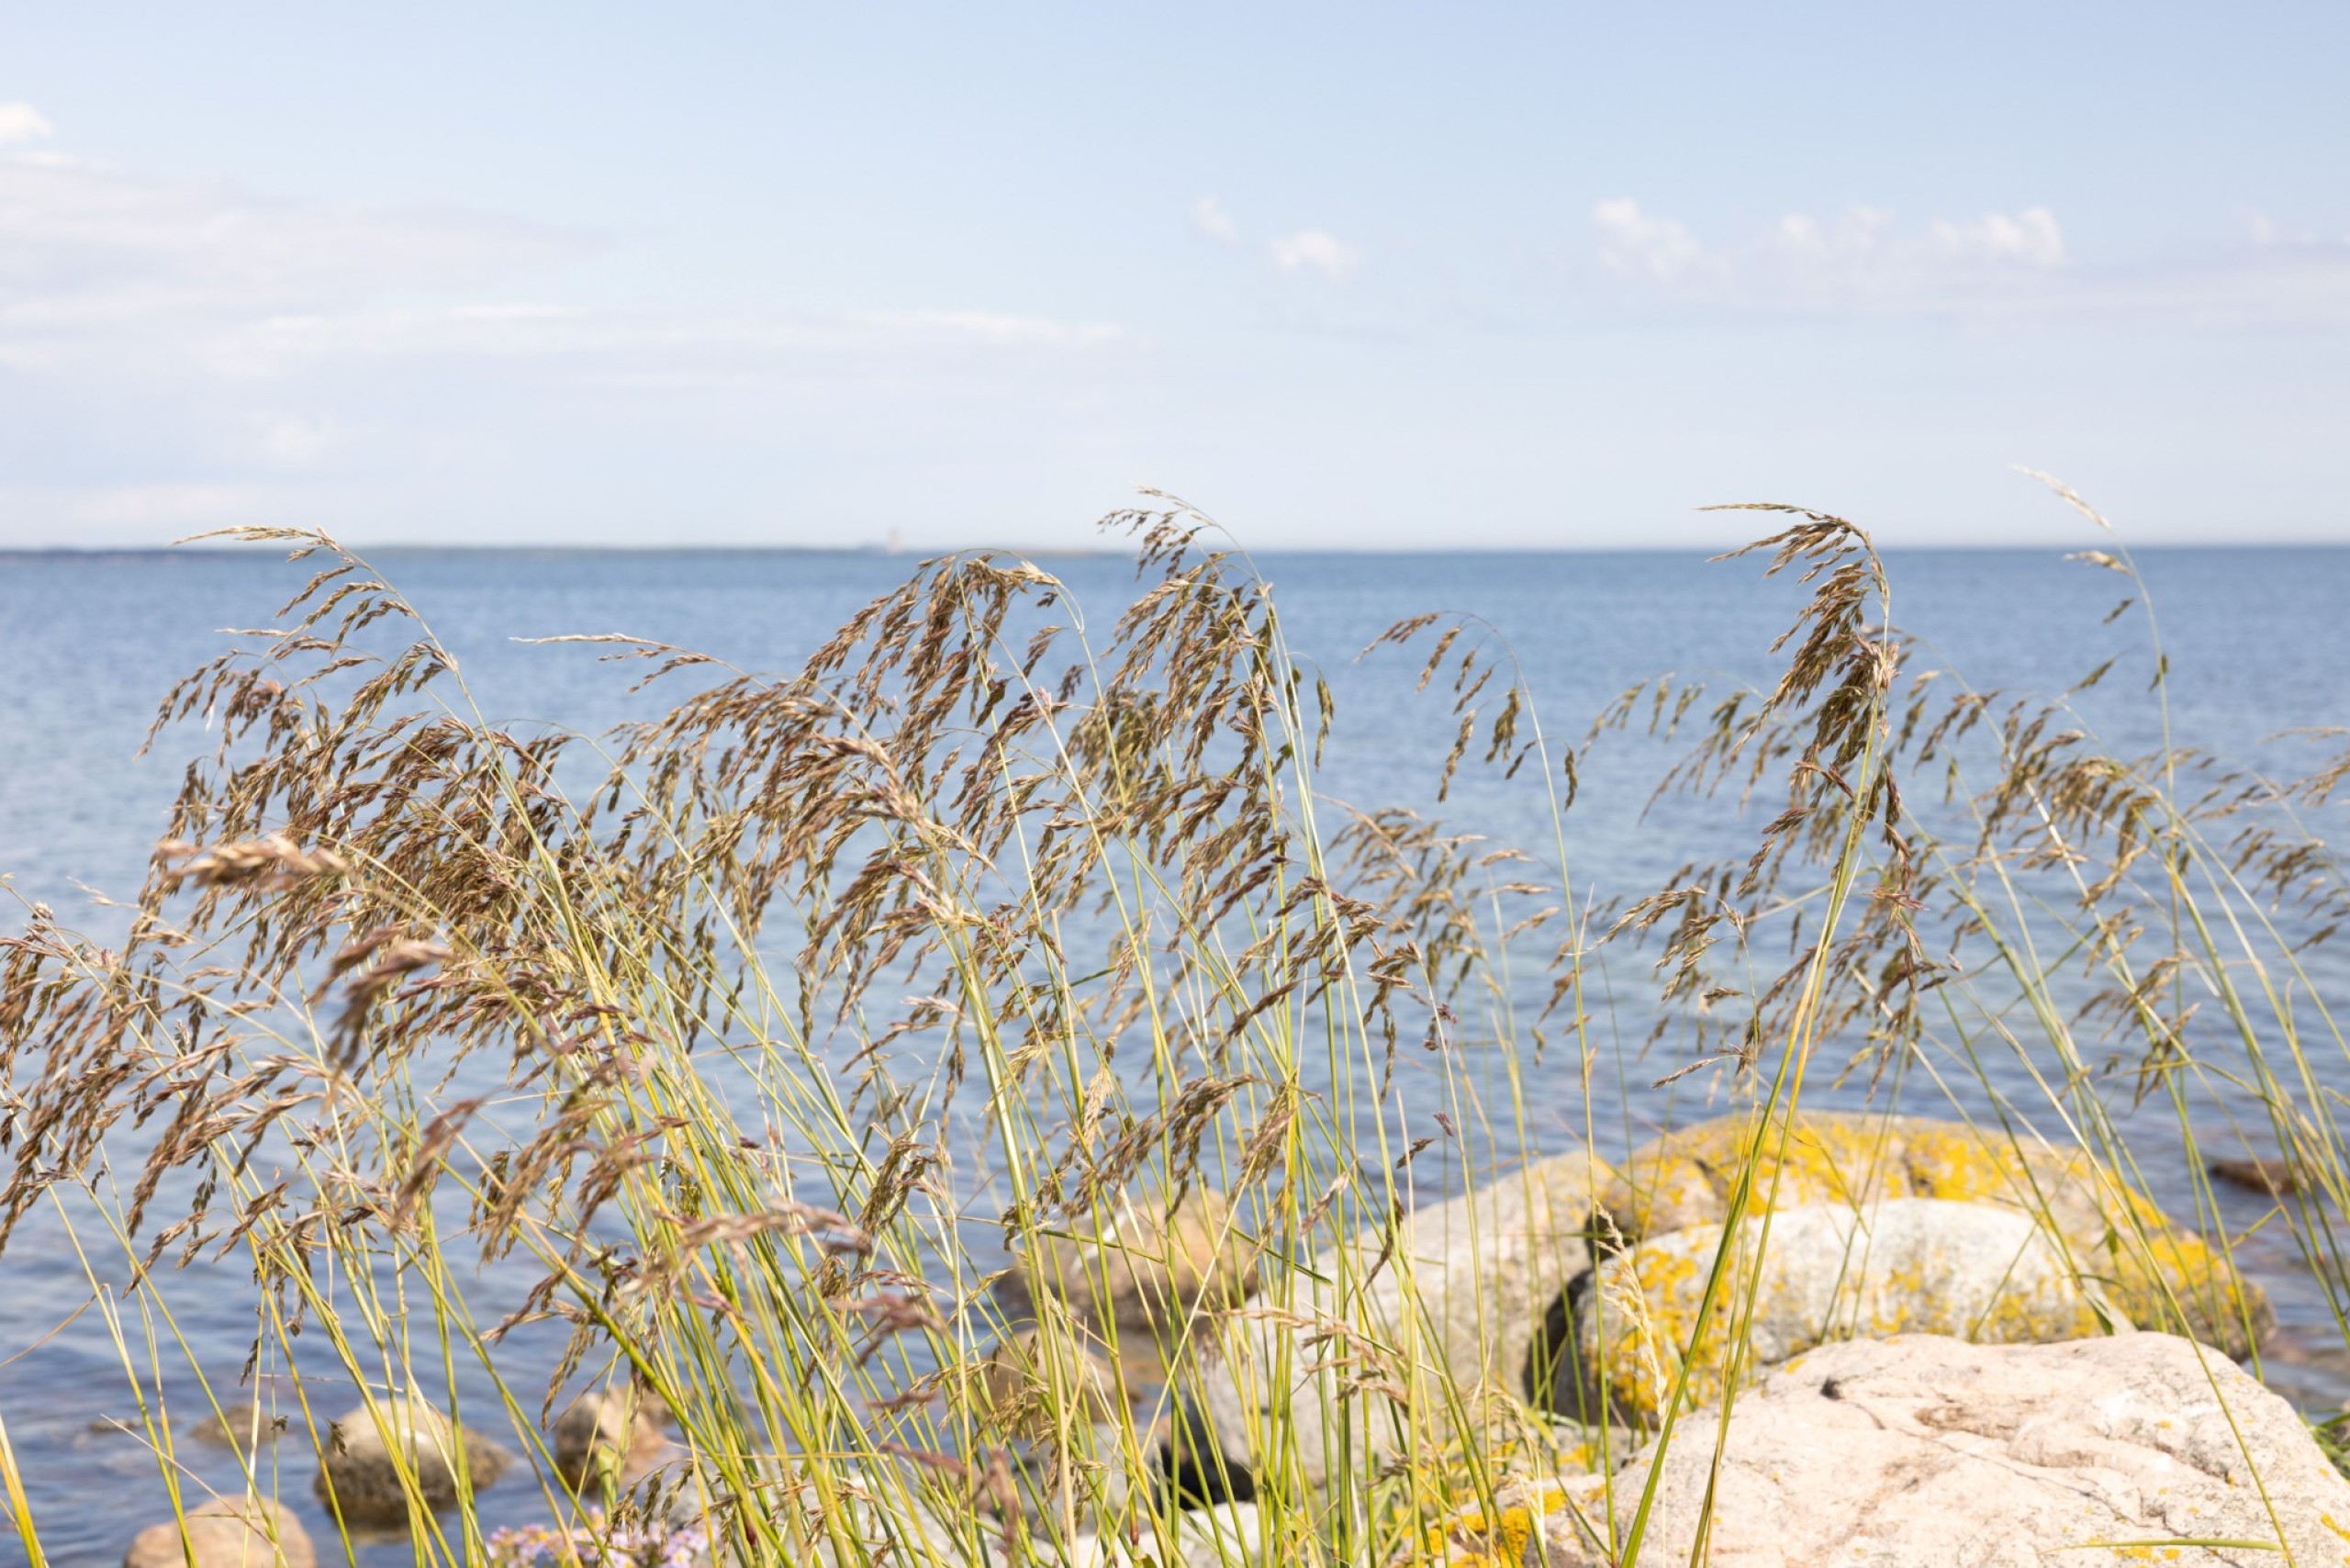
(2257, 641)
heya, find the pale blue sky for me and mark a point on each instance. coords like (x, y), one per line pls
(1506, 275)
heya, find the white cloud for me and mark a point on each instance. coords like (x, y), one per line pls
(101, 265)
(20, 123)
(1312, 248)
(2030, 237)
(175, 354)
(175, 506)
(107, 271)
(1634, 242)
(1862, 258)
(983, 327)
(1210, 219)
(1866, 261)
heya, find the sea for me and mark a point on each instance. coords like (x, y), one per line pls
(2254, 644)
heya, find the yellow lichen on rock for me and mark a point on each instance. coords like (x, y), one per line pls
(2114, 1238)
(1523, 1517)
(1825, 1272)
(1684, 1177)
(2175, 1278)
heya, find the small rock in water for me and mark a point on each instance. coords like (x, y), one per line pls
(240, 1425)
(359, 1474)
(613, 1432)
(227, 1532)
(2277, 1178)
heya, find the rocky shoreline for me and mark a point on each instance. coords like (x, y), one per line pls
(1947, 1349)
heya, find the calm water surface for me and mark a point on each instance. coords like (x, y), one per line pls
(2259, 643)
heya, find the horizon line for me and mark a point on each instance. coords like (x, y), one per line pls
(881, 552)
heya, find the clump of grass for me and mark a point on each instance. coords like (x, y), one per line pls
(768, 1036)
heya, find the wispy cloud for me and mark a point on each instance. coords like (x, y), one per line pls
(103, 269)
(20, 123)
(1311, 250)
(96, 261)
(270, 345)
(1640, 244)
(1210, 219)
(1866, 260)
(979, 325)
(1863, 256)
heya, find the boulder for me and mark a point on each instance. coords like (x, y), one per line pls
(1903, 1265)
(1042, 1385)
(1684, 1179)
(227, 1532)
(1923, 1452)
(2155, 1272)
(1146, 1272)
(607, 1434)
(373, 1453)
(1329, 1373)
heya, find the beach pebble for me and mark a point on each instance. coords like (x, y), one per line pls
(227, 1532)
(365, 1452)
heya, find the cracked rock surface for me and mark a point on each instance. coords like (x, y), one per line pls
(1931, 1452)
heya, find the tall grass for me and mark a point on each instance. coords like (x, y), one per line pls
(773, 1033)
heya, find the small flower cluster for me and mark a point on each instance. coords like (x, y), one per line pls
(647, 1543)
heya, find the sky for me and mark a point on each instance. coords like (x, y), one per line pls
(1342, 276)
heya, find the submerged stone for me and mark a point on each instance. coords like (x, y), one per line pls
(1041, 1386)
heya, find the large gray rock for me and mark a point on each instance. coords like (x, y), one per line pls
(1326, 1371)
(227, 1532)
(1929, 1452)
(368, 1451)
(1904, 1266)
